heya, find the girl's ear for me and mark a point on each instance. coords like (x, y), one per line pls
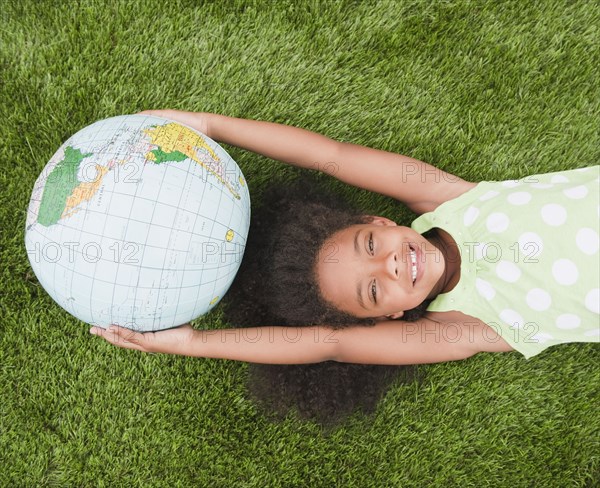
(394, 316)
(391, 316)
(373, 219)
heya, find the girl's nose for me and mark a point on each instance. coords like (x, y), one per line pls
(391, 265)
(387, 266)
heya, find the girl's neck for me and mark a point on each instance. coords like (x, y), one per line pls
(449, 250)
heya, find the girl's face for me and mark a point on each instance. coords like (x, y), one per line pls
(367, 270)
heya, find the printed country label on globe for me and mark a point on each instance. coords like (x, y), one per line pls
(138, 221)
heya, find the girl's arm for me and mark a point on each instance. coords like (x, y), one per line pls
(388, 342)
(268, 345)
(419, 185)
(423, 341)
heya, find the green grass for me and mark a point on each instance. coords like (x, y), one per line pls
(485, 90)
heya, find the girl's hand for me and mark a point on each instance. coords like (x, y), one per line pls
(170, 341)
(197, 120)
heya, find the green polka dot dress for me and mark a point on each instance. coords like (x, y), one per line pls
(529, 257)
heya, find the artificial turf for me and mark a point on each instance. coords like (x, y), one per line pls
(483, 89)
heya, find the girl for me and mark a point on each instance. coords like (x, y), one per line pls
(494, 266)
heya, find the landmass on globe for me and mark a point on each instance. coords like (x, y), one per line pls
(64, 193)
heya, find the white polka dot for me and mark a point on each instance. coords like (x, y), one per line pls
(512, 318)
(541, 337)
(538, 299)
(497, 222)
(587, 240)
(542, 186)
(531, 245)
(519, 198)
(592, 300)
(488, 195)
(565, 272)
(470, 216)
(568, 321)
(508, 271)
(554, 214)
(576, 192)
(559, 179)
(592, 333)
(510, 183)
(485, 289)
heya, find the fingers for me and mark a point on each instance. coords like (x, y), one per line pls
(158, 113)
(121, 337)
(149, 112)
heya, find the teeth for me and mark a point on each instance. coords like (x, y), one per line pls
(413, 258)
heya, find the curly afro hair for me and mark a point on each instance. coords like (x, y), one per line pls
(275, 285)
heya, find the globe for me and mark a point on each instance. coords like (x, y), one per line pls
(138, 221)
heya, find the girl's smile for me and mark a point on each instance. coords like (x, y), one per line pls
(382, 269)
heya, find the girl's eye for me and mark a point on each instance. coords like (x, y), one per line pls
(374, 292)
(373, 287)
